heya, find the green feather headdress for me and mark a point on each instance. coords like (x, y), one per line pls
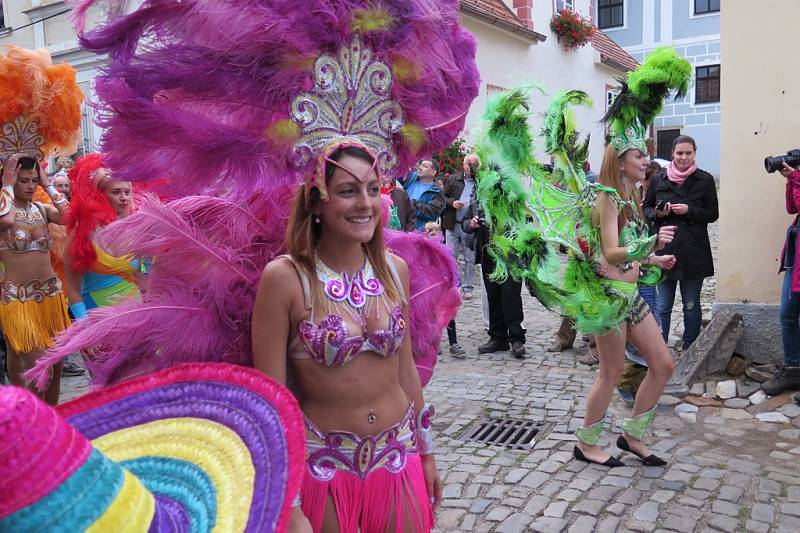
(642, 97)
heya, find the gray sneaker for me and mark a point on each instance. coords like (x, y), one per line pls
(457, 351)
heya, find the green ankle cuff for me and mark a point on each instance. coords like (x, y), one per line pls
(637, 427)
(591, 435)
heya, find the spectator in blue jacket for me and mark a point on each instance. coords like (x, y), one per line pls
(425, 194)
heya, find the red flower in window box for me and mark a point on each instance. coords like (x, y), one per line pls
(574, 29)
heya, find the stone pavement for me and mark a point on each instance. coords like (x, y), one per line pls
(728, 471)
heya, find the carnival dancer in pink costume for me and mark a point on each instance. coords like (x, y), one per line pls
(291, 126)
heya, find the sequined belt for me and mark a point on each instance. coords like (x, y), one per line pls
(33, 291)
(344, 451)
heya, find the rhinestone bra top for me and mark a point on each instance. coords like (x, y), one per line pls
(29, 233)
(331, 342)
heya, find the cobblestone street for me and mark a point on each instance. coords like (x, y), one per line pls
(728, 471)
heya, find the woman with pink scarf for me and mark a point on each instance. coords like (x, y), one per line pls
(682, 195)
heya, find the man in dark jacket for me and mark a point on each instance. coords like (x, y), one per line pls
(505, 299)
(425, 194)
(687, 199)
(457, 193)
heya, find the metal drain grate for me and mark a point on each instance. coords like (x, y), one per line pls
(506, 432)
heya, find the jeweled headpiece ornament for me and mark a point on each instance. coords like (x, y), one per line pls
(40, 102)
(642, 96)
(350, 104)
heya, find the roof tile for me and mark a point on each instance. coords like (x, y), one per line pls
(611, 53)
(495, 8)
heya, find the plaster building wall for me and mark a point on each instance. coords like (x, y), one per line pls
(652, 23)
(753, 217)
(505, 62)
(44, 24)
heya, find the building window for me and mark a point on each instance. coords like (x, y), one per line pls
(610, 13)
(561, 5)
(706, 89)
(701, 7)
(611, 95)
(664, 140)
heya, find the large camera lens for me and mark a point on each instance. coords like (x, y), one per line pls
(772, 164)
(792, 158)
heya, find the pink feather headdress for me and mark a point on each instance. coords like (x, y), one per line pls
(242, 100)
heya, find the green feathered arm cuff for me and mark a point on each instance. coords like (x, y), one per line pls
(651, 275)
(639, 249)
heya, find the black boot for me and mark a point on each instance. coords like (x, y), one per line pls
(493, 346)
(518, 349)
(786, 378)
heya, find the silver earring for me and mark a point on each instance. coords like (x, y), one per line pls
(316, 220)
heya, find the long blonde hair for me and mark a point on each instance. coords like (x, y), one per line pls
(611, 176)
(303, 234)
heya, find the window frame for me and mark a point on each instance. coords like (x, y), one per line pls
(663, 130)
(615, 3)
(709, 11)
(697, 80)
(571, 5)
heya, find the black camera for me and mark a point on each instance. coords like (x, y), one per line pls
(792, 158)
(661, 204)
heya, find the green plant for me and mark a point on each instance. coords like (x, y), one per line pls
(572, 30)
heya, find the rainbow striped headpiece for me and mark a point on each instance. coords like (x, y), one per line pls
(197, 447)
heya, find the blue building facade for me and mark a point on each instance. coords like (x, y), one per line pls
(692, 28)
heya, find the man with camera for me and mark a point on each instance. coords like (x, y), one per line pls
(787, 377)
(505, 299)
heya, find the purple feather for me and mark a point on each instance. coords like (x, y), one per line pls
(187, 103)
(211, 77)
(434, 298)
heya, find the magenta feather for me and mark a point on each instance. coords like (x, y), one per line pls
(196, 304)
(434, 298)
(187, 102)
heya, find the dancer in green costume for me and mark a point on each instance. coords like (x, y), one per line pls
(582, 248)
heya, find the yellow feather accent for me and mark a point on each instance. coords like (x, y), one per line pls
(371, 19)
(414, 136)
(404, 69)
(283, 132)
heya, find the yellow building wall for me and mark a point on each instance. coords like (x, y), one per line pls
(760, 93)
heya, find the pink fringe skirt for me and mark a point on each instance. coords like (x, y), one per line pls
(375, 484)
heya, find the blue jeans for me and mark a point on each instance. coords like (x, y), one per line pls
(790, 321)
(692, 312)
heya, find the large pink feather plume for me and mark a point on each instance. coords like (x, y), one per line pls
(434, 298)
(205, 258)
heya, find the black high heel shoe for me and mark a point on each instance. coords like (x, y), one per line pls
(611, 462)
(650, 460)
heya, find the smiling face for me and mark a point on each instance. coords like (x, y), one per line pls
(353, 210)
(684, 155)
(633, 164)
